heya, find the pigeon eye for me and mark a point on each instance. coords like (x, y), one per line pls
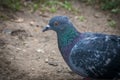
(56, 23)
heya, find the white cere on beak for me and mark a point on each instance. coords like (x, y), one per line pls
(48, 26)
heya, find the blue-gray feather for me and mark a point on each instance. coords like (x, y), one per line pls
(97, 55)
(93, 55)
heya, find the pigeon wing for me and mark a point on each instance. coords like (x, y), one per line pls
(96, 56)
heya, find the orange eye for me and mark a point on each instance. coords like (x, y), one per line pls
(56, 23)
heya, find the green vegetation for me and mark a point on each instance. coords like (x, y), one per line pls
(44, 5)
(49, 5)
(3, 16)
(81, 18)
(112, 23)
(12, 4)
(67, 5)
(54, 5)
(112, 5)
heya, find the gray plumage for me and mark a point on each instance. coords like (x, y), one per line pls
(93, 55)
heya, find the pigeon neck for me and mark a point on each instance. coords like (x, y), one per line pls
(67, 37)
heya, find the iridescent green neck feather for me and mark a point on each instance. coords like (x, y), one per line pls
(66, 37)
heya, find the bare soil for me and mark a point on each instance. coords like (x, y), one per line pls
(26, 53)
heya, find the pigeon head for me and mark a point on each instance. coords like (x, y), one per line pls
(58, 24)
(64, 28)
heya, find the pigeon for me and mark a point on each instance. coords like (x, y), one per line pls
(90, 55)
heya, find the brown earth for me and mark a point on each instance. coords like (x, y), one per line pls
(26, 53)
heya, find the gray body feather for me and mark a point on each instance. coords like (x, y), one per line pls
(96, 55)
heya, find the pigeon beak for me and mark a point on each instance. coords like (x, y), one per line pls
(46, 28)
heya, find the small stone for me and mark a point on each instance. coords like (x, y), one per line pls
(59, 70)
(46, 60)
(32, 23)
(52, 63)
(76, 17)
(97, 15)
(19, 20)
(40, 51)
(32, 69)
(37, 25)
(7, 31)
(12, 58)
(53, 52)
(24, 50)
(43, 15)
(18, 48)
(36, 40)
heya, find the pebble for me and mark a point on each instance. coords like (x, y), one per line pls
(52, 63)
(46, 60)
(7, 31)
(18, 48)
(12, 58)
(24, 50)
(37, 25)
(97, 15)
(32, 69)
(76, 17)
(40, 51)
(36, 40)
(43, 15)
(19, 20)
(53, 52)
(59, 70)
(32, 23)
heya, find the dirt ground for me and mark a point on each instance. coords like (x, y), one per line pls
(26, 53)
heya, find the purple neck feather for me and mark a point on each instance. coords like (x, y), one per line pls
(65, 51)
